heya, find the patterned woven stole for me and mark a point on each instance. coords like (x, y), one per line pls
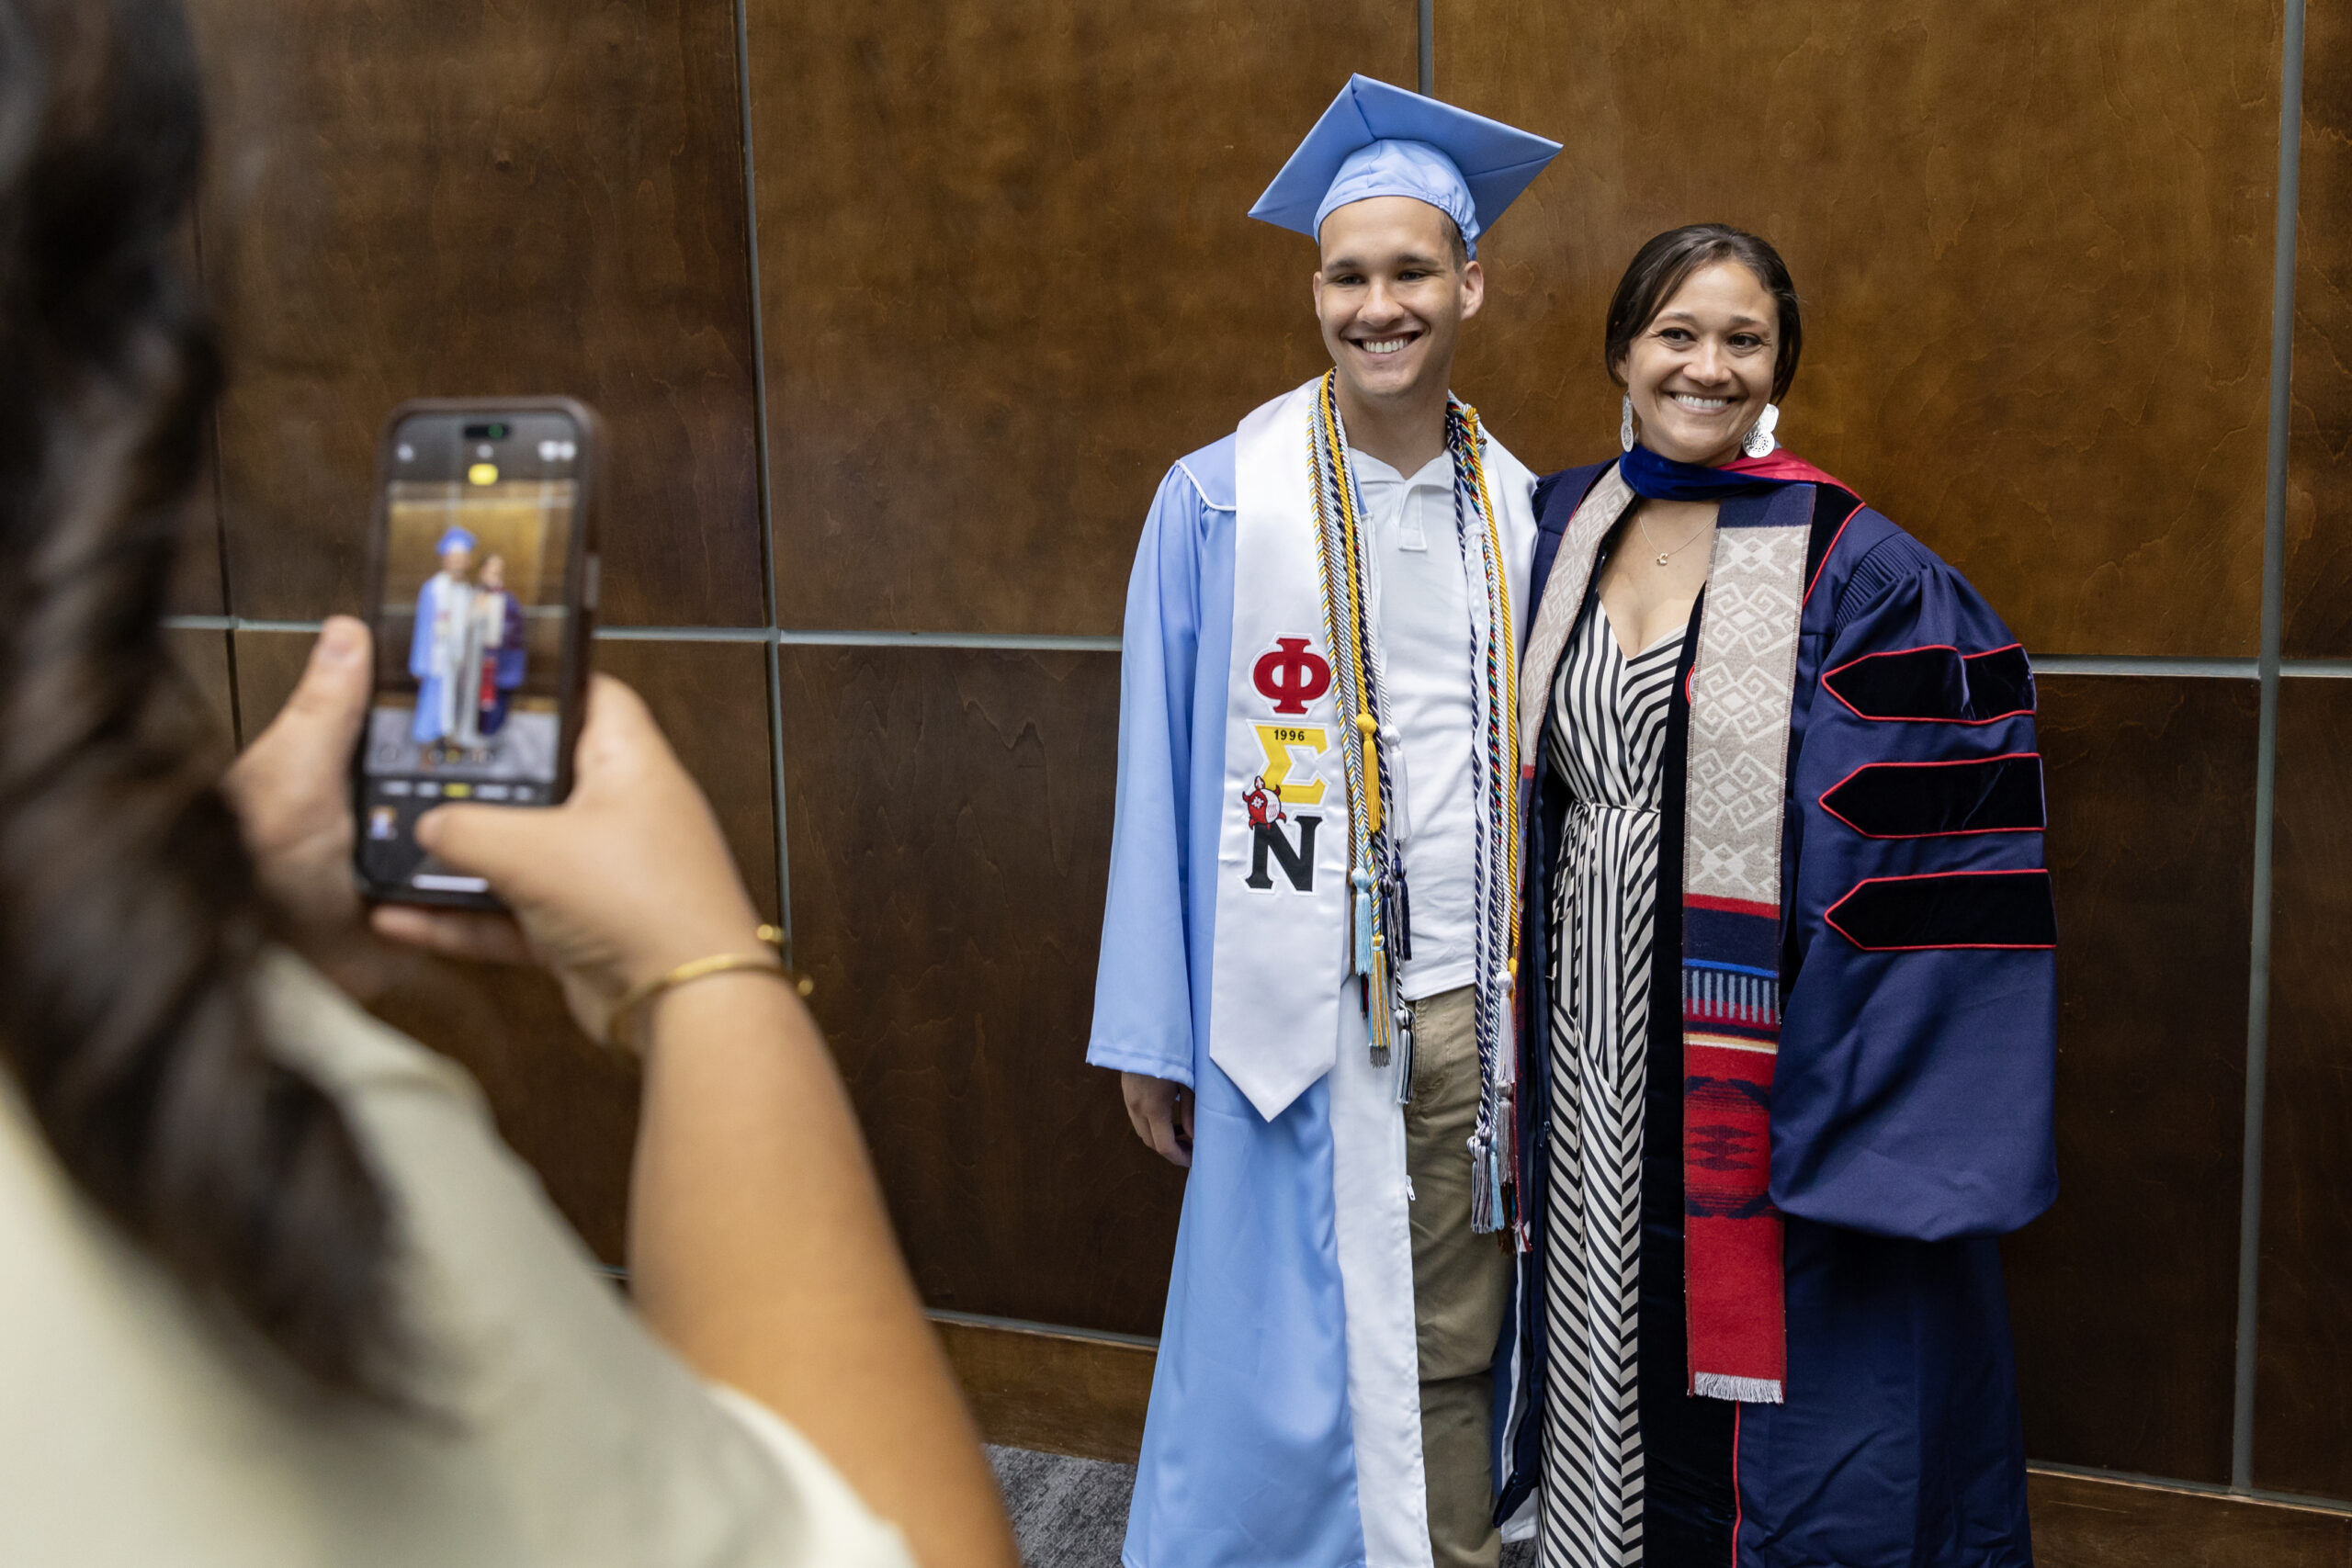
(1741, 684)
(1740, 690)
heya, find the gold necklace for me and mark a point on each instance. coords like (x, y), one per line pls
(1643, 523)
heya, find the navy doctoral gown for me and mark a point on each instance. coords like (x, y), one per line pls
(1911, 1110)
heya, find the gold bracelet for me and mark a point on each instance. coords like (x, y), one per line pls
(617, 1024)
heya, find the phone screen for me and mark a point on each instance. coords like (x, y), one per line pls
(472, 630)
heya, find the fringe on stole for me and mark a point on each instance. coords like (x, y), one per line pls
(1746, 1390)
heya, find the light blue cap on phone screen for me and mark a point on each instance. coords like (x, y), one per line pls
(454, 539)
(1376, 139)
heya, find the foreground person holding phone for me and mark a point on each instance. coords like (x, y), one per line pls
(276, 1294)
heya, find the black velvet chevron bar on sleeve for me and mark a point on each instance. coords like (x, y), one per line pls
(1922, 800)
(1935, 685)
(1958, 909)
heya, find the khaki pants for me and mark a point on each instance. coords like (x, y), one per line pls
(1461, 1282)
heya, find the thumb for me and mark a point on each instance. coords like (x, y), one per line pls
(616, 742)
(496, 841)
(322, 718)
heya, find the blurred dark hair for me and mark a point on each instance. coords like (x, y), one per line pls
(129, 915)
(1658, 269)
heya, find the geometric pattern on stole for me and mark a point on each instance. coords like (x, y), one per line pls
(1741, 685)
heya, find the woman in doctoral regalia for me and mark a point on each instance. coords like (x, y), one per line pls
(1786, 1014)
(500, 618)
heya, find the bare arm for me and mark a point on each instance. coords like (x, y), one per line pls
(759, 1247)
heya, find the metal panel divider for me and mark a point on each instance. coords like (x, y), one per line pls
(2266, 778)
(767, 499)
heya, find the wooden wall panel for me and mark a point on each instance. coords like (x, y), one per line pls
(2080, 1521)
(1009, 280)
(2303, 1390)
(1056, 1394)
(711, 700)
(2123, 1296)
(269, 667)
(196, 584)
(2033, 242)
(466, 197)
(949, 819)
(203, 658)
(566, 1106)
(2319, 471)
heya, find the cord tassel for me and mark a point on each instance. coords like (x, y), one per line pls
(1368, 728)
(1400, 913)
(1483, 1188)
(1403, 1017)
(1363, 879)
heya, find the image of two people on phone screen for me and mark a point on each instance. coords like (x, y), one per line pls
(466, 655)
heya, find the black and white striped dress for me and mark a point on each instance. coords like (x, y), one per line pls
(1608, 746)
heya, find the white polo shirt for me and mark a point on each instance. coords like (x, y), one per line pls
(1422, 612)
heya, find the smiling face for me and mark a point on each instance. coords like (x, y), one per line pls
(493, 573)
(1392, 298)
(1700, 372)
(455, 560)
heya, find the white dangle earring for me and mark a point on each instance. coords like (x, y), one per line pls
(1759, 442)
(1625, 425)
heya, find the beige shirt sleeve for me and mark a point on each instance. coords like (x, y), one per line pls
(139, 1427)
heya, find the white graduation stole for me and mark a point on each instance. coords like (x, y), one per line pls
(1279, 969)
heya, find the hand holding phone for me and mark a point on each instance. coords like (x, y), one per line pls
(482, 592)
(629, 879)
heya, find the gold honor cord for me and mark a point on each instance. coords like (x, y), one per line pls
(1368, 944)
(1509, 657)
(1367, 725)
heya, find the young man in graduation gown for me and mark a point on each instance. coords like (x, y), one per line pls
(1307, 953)
(437, 649)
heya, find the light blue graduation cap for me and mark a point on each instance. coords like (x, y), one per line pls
(1376, 139)
(454, 539)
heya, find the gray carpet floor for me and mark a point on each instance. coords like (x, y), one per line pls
(1072, 1512)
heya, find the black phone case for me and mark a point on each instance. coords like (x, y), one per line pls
(580, 595)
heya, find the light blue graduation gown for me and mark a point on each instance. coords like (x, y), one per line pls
(1247, 1457)
(432, 690)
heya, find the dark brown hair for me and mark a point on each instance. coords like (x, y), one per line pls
(130, 921)
(1658, 269)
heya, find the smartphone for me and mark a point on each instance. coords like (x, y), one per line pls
(481, 586)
